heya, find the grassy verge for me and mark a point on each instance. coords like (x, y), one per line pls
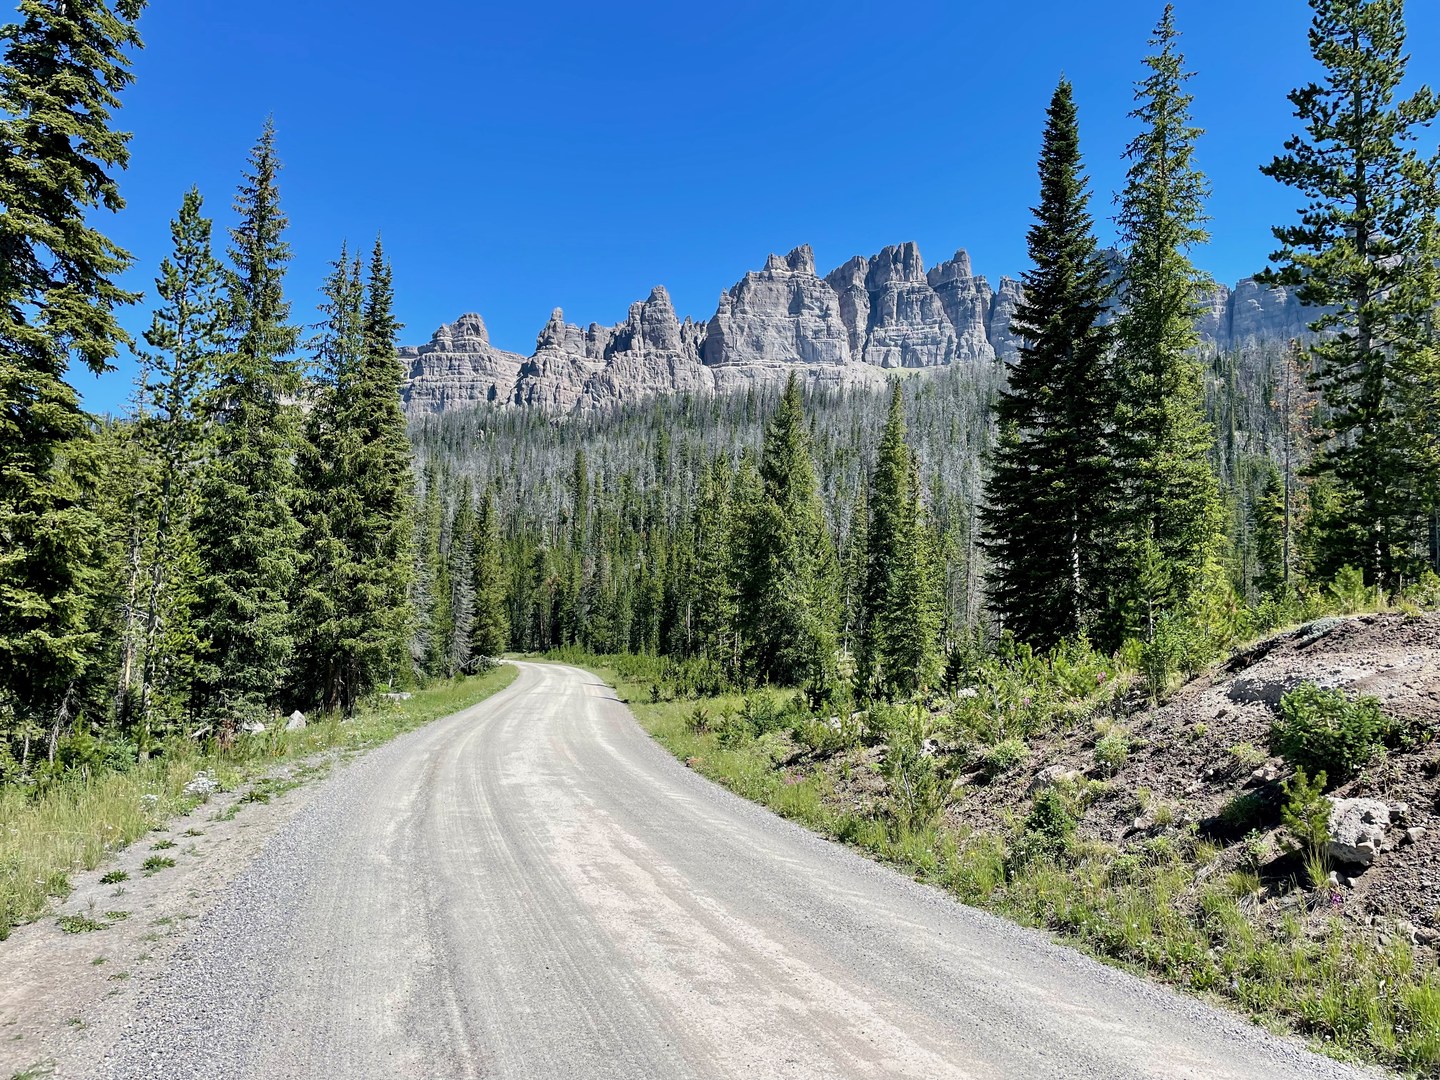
(1168, 908)
(76, 823)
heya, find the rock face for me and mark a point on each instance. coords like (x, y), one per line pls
(458, 369)
(909, 327)
(868, 316)
(774, 320)
(967, 300)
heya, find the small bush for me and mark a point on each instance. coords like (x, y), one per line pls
(1247, 756)
(1004, 756)
(1049, 830)
(1243, 813)
(155, 863)
(700, 720)
(1322, 731)
(114, 877)
(1112, 751)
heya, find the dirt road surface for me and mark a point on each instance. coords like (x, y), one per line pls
(533, 889)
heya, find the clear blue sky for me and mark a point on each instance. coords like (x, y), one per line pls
(525, 155)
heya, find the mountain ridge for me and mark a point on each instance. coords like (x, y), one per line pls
(866, 318)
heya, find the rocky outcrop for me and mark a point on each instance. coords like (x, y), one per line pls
(1003, 338)
(650, 353)
(908, 324)
(458, 369)
(554, 377)
(776, 320)
(966, 300)
(866, 317)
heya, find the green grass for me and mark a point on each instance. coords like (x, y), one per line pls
(79, 822)
(79, 924)
(1148, 910)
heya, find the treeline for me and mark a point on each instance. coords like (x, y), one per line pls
(241, 543)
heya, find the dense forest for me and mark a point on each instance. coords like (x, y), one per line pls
(261, 532)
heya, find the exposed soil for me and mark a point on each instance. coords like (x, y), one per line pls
(1184, 767)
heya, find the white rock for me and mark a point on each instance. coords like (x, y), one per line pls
(296, 722)
(1357, 830)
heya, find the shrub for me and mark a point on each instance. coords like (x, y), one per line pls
(1321, 731)
(1049, 829)
(1004, 756)
(919, 786)
(700, 720)
(1243, 813)
(764, 712)
(1112, 751)
(1247, 756)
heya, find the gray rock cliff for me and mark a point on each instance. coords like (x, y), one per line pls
(865, 318)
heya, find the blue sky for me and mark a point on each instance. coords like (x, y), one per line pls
(521, 156)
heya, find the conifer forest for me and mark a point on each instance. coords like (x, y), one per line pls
(263, 530)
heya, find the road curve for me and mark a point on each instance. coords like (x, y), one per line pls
(533, 889)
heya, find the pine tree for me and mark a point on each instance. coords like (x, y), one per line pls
(1049, 500)
(897, 602)
(326, 501)
(186, 340)
(1353, 254)
(790, 595)
(462, 583)
(247, 531)
(715, 594)
(64, 68)
(1164, 441)
(912, 647)
(491, 632)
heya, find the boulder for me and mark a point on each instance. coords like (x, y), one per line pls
(296, 721)
(1357, 830)
(1054, 776)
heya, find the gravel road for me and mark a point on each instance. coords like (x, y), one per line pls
(533, 889)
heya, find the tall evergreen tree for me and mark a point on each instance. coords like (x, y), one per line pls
(246, 528)
(790, 594)
(186, 339)
(898, 607)
(1353, 255)
(714, 594)
(462, 583)
(1164, 441)
(326, 501)
(491, 632)
(64, 68)
(1049, 500)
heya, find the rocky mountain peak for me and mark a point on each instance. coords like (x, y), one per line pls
(867, 315)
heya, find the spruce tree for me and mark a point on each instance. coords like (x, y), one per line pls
(64, 68)
(715, 594)
(246, 527)
(912, 644)
(186, 339)
(1353, 255)
(1164, 441)
(462, 583)
(1049, 500)
(326, 502)
(491, 632)
(791, 591)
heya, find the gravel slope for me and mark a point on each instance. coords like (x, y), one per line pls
(534, 889)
